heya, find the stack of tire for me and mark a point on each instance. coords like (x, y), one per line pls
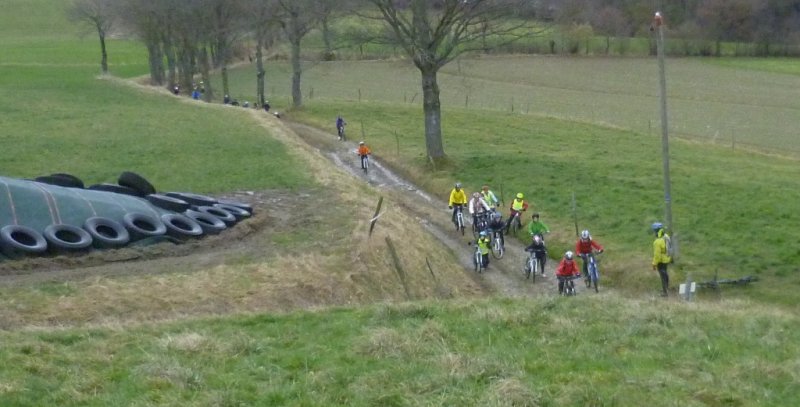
(63, 215)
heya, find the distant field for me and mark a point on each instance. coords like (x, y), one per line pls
(730, 106)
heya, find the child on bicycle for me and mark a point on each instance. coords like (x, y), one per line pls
(489, 197)
(478, 208)
(566, 270)
(536, 227)
(537, 247)
(484, 242)
(496, 225)
(340, 123)
(585, 247)
(458, 198)
(363, 152)
(518, 205)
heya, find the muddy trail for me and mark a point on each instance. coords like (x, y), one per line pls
(504, 276)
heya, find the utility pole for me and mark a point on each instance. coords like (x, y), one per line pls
(658, 24)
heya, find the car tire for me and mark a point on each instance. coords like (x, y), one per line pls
(106, 233)
(142, 226)
(167, 202)
(181, 226)
(67, 238)
(211, 224)
(137, 182)
(19, 239)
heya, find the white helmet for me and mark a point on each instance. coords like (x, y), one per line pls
(361, 143)
(568, 255)
(585, 235)
(537, 239)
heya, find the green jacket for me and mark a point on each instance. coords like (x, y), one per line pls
(660, 253)
(538, 228)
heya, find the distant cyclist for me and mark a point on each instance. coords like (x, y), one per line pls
(478, 208)
(458, 198)
(566, 269)
(585, 247)
(518, 205)
(489, 197)
(536, 227)
(537, 247)
(363, 152)
(340, 123)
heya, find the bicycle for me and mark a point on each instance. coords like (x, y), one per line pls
(534, 265)
(460, 218)
(569, 285)
(514, 223)
(477, 259)
(498, 245)
(592, 272)
(480, 224)
(365, 163)
(340, 130)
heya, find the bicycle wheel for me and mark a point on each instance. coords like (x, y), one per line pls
(479, 261)
(366, 164)
(528, 268)
(534, 268)
(461, 222)
(497, 248)
(594, 275)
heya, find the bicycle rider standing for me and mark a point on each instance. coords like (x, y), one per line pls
(340, 123)
(363, 152)
(566, 269)
(585, 247)
(478, 208)
(518, 205)
(458, 198)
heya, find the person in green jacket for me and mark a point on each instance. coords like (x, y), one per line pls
(661, 257)
(536, 227)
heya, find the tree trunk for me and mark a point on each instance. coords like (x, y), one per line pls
(169, 53)
(297, 96)
(156, 65)
(433, 114)
(205, 68)
(224, 73)
(104, 59)
(260, 71)
(326, 39)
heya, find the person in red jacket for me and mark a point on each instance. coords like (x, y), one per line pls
(566, 270)
(585, 247)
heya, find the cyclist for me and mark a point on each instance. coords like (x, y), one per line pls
(585, 247)
(489, 197)
(363, 152)
(484, 242)
(458, 198)
(537, 247)
(661, 255)
(536, 227)
(478, 208)
(566, 269)
(518, 205)
(496, 225)
(340, 123)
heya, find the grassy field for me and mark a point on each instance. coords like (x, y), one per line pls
(532, 352)
(144, 337)
(734, 107)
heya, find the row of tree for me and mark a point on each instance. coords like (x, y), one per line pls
(186, 38)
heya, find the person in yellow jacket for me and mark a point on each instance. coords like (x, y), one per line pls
(458, 198)
(661, 256)
(484, 242)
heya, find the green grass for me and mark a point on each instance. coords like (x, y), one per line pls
(738, 108)
(542, 352)
(788, 66)
(734, 212)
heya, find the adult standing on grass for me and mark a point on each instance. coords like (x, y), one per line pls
(661, 256)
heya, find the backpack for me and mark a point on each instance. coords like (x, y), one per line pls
(670, 248)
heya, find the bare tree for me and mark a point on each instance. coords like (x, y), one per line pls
(263, 21)
(610, 22)
(298, 18)
(433, 33)
(100, 14)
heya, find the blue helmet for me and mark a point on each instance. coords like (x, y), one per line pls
(484, 233)
(656, 226)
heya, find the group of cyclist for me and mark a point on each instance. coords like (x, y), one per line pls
(487, 223)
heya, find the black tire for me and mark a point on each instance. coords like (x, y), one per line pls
(18, 239)
(193, 199)
(498, 250)
(75, 180)
(211, 224)
(477, 262)
(142, 226)
(136, 182)
(62, 237)
(222, 214)
(238, 212)
(117, 189)
(241, 205)
(181, 226)
(169, 203)
(62, 180)
(106, 233)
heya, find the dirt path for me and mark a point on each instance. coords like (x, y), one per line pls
(503, 276)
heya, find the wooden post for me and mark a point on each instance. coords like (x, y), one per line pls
(375, 216)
